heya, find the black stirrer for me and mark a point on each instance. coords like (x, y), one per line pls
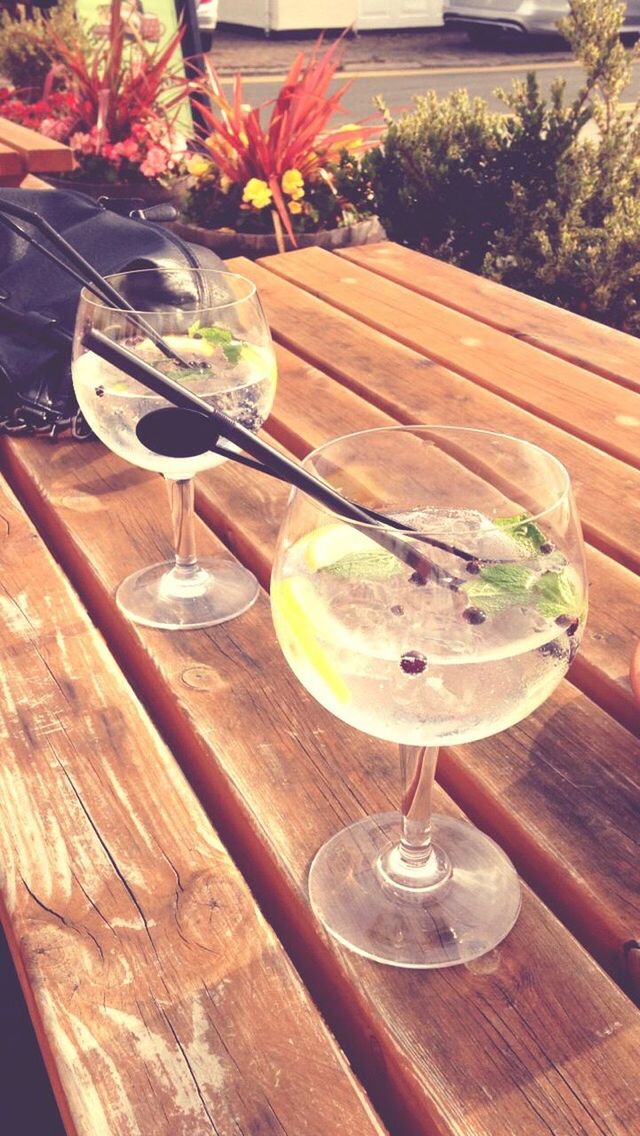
(207, 425)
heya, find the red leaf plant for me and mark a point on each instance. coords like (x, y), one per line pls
(124, 103)
(294, 141)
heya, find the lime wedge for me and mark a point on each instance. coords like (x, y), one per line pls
(296, 605)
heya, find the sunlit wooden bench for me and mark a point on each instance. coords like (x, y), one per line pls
(25, 153)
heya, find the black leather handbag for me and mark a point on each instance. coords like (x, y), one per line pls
(38, 300)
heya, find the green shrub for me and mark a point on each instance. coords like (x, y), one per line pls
(436, 177)
(544, 197)
(24, 60)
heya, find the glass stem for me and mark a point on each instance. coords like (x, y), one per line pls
(186, 578)
(415, 863)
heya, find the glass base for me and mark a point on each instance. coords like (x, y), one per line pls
(456, 921)
(178, 599)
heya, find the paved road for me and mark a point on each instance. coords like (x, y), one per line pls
(398, 88)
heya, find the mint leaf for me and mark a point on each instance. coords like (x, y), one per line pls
(219, 337)
(526, 534)
(498, 586)
(367, 565)
(556, 593)
(180, 374)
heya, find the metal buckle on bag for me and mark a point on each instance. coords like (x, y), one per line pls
(13, 424)
(32, 420)
(43, 423)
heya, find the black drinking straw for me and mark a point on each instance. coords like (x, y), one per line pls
(270, 459)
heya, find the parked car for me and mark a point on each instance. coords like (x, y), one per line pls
(484, 20)
(207, 11)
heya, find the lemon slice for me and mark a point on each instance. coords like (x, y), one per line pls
(296, 605)
(193, 348)
(261, 361)
(325, 546)
(349, 552)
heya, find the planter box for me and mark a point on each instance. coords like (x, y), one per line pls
(227, 242)
(144, 193)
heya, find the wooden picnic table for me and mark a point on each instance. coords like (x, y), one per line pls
(162, 794)
(25, 153)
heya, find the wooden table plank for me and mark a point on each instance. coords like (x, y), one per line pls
(38, 153)
(582, 403)
(546, 1040)
(11, 165)
(403, 384)
(162, 1000)
(591, 345)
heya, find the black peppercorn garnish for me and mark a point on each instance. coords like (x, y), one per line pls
(573, 627)
(564, 620)
(474, 615)
(413, 663)
(473, 566)
(553, 650)
(418, 579)
(547, 547)
(397, 609)
(99, 392)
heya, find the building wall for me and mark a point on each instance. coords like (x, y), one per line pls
(297, 15)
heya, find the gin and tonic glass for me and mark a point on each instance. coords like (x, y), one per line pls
(446, 631)
(215, 323)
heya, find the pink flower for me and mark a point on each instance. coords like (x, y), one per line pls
(130, 150)
(155, 162)
(83, 142)
(56, 128)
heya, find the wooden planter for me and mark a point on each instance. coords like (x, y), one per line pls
(228, 242)
(147, 192)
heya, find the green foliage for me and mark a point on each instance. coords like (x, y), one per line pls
(25, 50)
(436, 177)
(545, 197)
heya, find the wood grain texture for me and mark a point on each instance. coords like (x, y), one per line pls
(405, 385)
(11, 165)
(533, 1039)
(30, 181)
(38, 153)
(582, 403)
(163, 1001)
(589, 344)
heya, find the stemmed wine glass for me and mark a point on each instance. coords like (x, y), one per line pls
(214, 322)
(448, 631)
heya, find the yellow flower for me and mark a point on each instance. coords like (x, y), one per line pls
(293, 185)
(198, 165)
(225, 183)
(295, 207)
(257, 193)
